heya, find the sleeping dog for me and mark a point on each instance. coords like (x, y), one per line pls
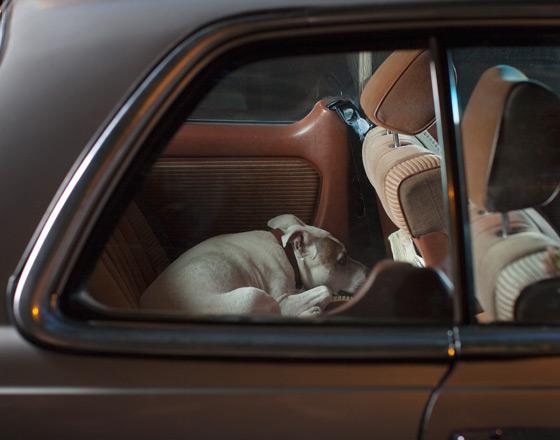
(294, 269)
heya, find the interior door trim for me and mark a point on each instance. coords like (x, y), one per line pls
(320, 138)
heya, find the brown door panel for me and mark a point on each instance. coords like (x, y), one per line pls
(71, 396)
(215, 413)
(219, 178)
(506, 396)
(494, 411)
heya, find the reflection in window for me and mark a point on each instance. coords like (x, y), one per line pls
(510, 129)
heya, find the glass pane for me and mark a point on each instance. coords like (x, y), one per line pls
(510, 127)
(278, 90)
(336, 211)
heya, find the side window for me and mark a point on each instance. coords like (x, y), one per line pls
(282, 90)
(509, 99)
(298, 187)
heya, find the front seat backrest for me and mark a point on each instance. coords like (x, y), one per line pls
(398, 97)
(510, 131)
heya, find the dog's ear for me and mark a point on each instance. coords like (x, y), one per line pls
(299, 238)
(296, 239)
(284, 221)
(293, 235)
(303, 238)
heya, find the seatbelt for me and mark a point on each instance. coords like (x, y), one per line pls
(360, 126)
(351, 116)
(428, 142)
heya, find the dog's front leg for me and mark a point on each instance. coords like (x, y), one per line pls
(243, 301)
(308, 303)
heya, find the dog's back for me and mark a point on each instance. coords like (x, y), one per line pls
(219, 265)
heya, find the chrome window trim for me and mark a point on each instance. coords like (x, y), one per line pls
(62, 233)
(508, 341)
(5, 9)
(454, 181)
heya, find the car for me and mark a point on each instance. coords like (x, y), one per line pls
(154, 155)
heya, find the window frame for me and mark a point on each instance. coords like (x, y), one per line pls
(52, 254)
(496, 340)
(4, 20)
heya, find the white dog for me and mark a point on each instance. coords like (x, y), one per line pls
(251, 273)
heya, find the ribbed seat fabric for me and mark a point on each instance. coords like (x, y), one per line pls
(132, 259)
(504, 266)
(514, 278)
(398, 173)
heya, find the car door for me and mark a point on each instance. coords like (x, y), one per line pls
(77, 374)
(504, 384)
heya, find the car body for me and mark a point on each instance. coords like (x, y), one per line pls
(72, 74)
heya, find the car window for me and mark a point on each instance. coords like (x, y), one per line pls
(278, 90)
(335, 213)
(284, 89)
(510, 108)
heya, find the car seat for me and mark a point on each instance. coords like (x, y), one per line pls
(130, 261)
(405, 174)
(510, 132)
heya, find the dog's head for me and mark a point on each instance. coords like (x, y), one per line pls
(322, 259)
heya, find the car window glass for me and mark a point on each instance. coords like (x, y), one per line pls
(333, 211)
(283, 89)
(510, 110)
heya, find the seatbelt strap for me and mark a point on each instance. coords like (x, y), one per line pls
(428, 142)
(361, 126)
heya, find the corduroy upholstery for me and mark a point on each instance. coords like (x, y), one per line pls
(514, 278)
(133, 258)
(407, 181)
(498, 271)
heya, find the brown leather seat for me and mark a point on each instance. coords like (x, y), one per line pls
(398, 98)
(132, 258)
(511, 128)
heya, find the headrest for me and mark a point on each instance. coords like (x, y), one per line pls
(398, 96)
(511, 137)
(539, 303)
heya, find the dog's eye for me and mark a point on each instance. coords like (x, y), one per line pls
(342, 260)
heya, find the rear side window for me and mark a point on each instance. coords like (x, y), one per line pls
(285, 89)
(326, 202)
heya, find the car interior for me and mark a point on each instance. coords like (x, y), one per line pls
(348, 143)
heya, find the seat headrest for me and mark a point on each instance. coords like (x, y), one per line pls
(511, 136)
(398, 96)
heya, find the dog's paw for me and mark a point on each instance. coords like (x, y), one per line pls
(301, 303)
(313, 311)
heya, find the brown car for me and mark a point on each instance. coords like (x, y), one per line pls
(265, 219)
